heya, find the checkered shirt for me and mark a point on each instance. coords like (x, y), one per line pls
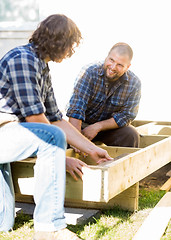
(93, 101)
(25, 85)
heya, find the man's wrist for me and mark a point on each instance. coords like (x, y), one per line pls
(98, 126)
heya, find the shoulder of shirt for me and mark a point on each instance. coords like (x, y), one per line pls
(132, 77)
(94, 66)
(21, 51)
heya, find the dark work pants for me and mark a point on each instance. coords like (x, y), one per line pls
(124, 137)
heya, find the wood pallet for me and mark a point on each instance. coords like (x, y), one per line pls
(108, 184)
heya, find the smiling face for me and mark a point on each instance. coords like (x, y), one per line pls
(116, 65)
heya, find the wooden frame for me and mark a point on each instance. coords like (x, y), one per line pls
(153, 127)
(107, 184)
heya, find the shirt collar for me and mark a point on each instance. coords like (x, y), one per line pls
(42, 62)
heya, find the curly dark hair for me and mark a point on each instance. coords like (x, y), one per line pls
(56, 37)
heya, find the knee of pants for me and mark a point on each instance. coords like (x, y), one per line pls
(47, 132)
(133, 136)
(59, 137)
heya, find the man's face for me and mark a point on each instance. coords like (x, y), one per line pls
(116, 65)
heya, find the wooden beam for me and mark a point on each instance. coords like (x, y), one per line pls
(167, 185)
(147, 140)
(127, 200)
(103, 182)
(132, 168)
(155, 224)
(144, 129)
(154, 129)
(137, 123)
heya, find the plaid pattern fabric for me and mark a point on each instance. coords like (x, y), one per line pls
(94, 99)
(25, 85)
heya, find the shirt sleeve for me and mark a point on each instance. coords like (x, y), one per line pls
(23, 75)
(26, 79)
(130, 109)
(81, 95)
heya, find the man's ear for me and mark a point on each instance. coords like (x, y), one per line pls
(128, 66)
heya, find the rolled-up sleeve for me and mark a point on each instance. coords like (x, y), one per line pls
(23, 75)
(32, 90)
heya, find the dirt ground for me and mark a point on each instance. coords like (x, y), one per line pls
(156, 179)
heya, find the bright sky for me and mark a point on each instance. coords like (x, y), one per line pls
(144, 24)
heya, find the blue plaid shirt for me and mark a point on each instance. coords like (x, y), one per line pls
(25, 85)
(95, 99)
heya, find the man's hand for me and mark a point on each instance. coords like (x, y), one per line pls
(76, 139)
(100, 155)
(74, 167)
(91, 131)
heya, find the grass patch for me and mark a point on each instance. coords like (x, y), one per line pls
(23, 229)
(112, 224)
(148, 198)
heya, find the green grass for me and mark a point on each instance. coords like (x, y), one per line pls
(112, 224)
(23, 229)
(148, 198)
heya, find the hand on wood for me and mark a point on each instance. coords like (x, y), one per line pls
(74, 167)
(100, 155)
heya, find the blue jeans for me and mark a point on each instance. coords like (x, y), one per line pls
(19, 141)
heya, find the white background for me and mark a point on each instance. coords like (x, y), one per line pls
(144, 24)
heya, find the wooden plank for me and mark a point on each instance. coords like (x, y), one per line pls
(131, 169)
(160, 130)
(155, 224)
(153, 129)
(24, 198)
(114, 152)
(137, 123)
(103, 182)
(168, 174)
(92, 186)
(144, 129)
(147, 140)
(127, 200)
(167, 185)
(131, 195)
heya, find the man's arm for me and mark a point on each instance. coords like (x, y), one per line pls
(76, 123)
(93, 129)
(75, 138)
(37, 118)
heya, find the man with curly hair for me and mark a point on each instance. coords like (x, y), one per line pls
(32, 125)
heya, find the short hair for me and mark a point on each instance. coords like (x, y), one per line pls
(123, 49)
(54, 36)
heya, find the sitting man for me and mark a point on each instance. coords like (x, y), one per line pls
(106, 98)
(32, 125)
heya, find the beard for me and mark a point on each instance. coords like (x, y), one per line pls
(111, 78)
